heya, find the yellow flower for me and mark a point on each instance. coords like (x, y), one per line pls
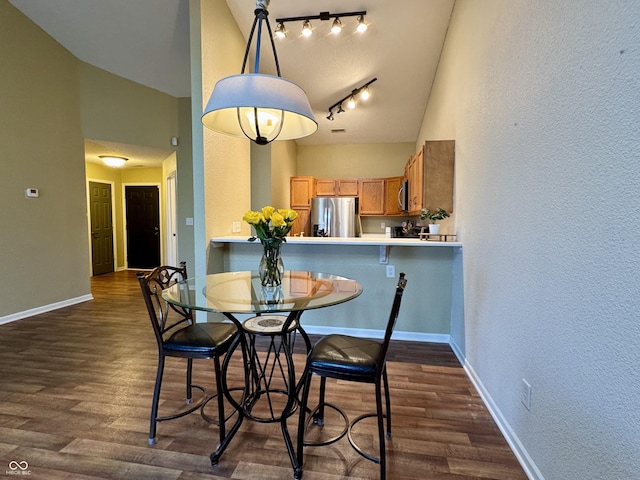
(277, 220)
(288, 214)
(253, 218)
(267, 212)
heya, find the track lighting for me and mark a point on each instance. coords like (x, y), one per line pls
(362, 91)
(336, 26)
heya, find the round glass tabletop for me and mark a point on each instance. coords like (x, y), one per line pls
(242, 292)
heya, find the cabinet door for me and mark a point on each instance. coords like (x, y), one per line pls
(347, 188)
(301, 192)
(372, 196)
(415, 182)
(302, 224)
(437, 183)
(325, 187)
(392, 192)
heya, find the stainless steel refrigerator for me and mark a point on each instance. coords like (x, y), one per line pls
(335, 217)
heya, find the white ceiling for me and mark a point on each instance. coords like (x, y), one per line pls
(147, 41)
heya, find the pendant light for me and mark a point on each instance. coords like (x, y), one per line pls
(258, 106)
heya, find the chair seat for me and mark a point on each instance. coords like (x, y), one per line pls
(202, 339)
(343, 356)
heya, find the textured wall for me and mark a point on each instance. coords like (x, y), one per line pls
(542, 99)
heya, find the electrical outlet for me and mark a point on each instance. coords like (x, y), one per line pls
(391, 271)
(235, 227)
(383, 225)
(526, 394)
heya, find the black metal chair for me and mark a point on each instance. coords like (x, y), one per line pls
(355, 359)
(180, 336)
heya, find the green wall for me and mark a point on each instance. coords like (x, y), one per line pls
(44, 252)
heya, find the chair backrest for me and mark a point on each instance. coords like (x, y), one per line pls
(393, 317)
(152, 285)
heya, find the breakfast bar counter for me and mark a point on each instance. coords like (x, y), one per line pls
(366, 239)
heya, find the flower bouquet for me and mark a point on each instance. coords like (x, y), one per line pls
(271, 227)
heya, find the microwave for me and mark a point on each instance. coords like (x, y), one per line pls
(403, 196)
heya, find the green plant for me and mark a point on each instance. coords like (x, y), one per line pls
(433, 216)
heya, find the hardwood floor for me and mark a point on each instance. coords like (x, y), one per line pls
(76, 387)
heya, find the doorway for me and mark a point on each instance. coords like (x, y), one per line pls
(143, 226)
(101, 228)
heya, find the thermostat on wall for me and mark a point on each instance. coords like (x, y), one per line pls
(31, 193)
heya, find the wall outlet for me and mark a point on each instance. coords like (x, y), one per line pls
(391, 271)
(525, 394)
(189, 221)
(236, 227)
(383, 225)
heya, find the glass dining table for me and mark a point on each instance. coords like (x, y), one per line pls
(270, 389)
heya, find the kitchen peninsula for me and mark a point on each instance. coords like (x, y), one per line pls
(433, 269)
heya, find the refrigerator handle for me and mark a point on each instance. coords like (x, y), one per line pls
(327, 222)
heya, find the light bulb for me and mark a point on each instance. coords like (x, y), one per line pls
(364, 95)
(336, 28)
(268, 121)
(352, 102)
(362, 27)
(306, 28)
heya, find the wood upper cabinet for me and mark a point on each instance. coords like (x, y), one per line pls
(347, 188)
(372, 196)
(430, 175)
(392, 188)
(325, 187)
(330, 187)
(301, 191)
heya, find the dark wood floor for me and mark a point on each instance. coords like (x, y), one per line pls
(75, 393)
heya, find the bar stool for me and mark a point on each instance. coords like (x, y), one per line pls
(355, 359)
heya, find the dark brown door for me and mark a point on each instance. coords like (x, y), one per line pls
(101, 228)
(143, 226)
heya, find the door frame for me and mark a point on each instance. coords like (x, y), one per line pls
(161, 215)
(172, 218)
(113, 222)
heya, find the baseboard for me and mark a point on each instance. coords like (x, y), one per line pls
(525, 460)
(45, 308)
(369, 333)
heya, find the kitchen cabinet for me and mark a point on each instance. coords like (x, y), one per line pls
(372, 196)
(330, 187)
(430, 174)
(392, 188)
(301, 191)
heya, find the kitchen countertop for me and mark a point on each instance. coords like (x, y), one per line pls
(366, 239)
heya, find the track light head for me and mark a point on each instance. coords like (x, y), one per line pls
(306, 29)
(352, 102)
(336, 27)
(364, 95)
(281, 31)
(362, 27)
(330, 116)
(340, 109)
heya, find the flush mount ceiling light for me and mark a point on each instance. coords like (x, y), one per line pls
(363, 93)
(258, 106)
(112, 160)
(336, 26)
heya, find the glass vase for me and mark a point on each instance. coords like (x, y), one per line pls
(271, 267)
